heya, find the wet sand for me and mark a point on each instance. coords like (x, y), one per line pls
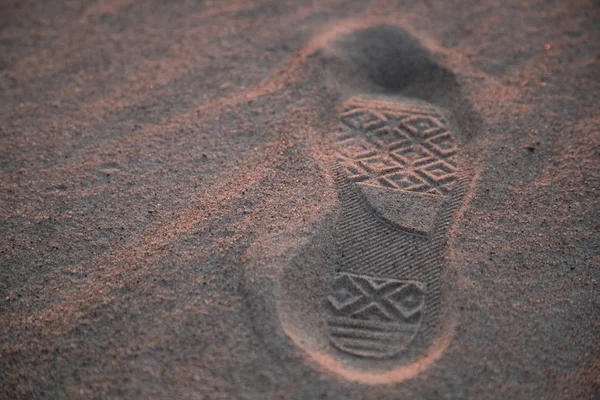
(156, 157)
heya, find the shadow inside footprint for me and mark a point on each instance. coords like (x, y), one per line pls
(387, 56)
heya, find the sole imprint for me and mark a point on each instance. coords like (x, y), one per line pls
(399, 188)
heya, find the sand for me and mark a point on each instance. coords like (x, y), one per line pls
(165, 185)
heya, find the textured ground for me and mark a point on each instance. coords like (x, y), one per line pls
(150, 151)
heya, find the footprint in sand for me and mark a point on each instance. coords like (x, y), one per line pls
(366, 298)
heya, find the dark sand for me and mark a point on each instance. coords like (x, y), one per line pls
(157, 156)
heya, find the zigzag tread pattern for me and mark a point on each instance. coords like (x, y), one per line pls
(396, 147)
(374, 317)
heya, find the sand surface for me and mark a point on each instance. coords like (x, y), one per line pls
(162, 166)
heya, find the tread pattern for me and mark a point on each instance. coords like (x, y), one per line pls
(374, 317)
(387, 288)
(398, 147)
